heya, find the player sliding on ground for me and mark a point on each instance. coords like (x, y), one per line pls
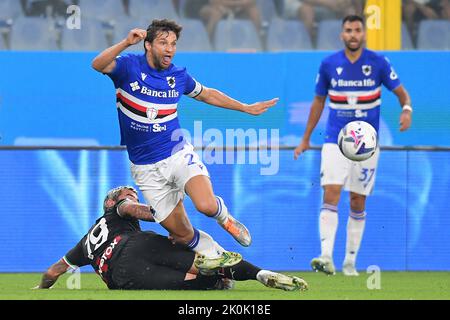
(164, 165)
(127, 258)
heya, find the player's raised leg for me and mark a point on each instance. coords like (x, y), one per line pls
(328, 223)
(355, 230)
(200, 190)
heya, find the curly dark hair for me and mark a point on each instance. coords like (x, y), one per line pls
(163, 25)
(113, 194)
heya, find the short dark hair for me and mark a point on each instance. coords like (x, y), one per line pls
(114, 194)
(352, 18)
(163, 25)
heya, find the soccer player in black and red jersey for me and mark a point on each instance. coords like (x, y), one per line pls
(126, 257)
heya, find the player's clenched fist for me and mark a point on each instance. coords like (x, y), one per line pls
(136, 36)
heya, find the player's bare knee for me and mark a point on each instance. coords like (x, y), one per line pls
(357, 202)
(332, 195)
(331, 199)
(207, 206)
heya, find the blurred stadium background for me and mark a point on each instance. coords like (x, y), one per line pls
(50, 96)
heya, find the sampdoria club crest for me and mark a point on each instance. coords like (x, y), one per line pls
(367, 70)
(171, 81)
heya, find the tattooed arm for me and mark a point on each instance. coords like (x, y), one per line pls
(52, 274)
(73, 259)
(136, 210)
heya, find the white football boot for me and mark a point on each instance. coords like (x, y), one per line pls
(349, 270)
(323, 264)
(280, 281)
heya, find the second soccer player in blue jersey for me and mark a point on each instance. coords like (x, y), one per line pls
(352, 79)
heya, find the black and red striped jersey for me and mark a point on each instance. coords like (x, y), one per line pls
(103, 242)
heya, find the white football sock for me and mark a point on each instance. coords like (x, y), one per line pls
(203, 243)
(328, 223)
(222, 211)
(355, 229)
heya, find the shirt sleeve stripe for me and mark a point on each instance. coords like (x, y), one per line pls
(69, 264)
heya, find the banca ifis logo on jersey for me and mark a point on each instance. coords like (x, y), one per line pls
(171, 81)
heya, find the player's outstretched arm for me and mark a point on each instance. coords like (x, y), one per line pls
(219, 99)
(136, 210)
(405, 102)
(52, 274)
(314, 116)
(105, 62)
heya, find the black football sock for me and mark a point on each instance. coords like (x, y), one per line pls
(242, 271)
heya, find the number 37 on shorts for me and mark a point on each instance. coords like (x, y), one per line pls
(366, 176)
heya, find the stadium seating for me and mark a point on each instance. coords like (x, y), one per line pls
(33, 34)
(328, 35)
(122, 28)
(277, 35)
(182, 5)
(90, 37)
(434, 35)
(236, 35)
(152, 9)
(407, 43)
(287, 35)
(267, 8)
(10, 9)
(103, 10)
(193, 37)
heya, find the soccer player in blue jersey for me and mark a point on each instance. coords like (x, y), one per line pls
(163, 165)
(352, 79)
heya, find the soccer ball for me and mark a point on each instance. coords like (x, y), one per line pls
(358, 140)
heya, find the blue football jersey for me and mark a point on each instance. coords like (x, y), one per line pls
(354, 89)
(147, 102)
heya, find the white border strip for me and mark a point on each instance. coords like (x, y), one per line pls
(135, 117)
(146, 104)
(367, 106)
(353, 93)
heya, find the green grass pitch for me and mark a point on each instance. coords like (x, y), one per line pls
(394, 285)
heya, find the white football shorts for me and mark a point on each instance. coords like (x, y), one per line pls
(355, 176)
(162, 183)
